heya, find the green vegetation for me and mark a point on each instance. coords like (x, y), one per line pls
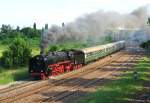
(79, 45)
(67, 46)
(13, 74)
(123, 89)
(15, 51)
(145, 45)
(2, 49)
(18, 53)
(8, 34)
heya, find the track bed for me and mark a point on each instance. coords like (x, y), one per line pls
(75, 84)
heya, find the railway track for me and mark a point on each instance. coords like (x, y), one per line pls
(17, 86)
(13, 96)
(81, 85)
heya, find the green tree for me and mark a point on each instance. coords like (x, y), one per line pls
(29, 32)
(5, 28)
(34, 26)
(46, 26)
(54, 48)
(17, 54)
(108, 39)
(18, 29)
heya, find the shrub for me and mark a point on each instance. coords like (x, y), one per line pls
(54, 48)
(17, 54)
(29, 32)
(145, 45)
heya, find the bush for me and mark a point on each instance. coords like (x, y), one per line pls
(29, 32)
(54, 48)
(145, 45)
(17, 54)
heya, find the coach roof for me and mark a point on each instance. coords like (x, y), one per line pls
(99, 47)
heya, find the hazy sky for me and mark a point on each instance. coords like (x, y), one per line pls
(26, 12)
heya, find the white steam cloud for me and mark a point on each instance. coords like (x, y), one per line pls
(94, 25)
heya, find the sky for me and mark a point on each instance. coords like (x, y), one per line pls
(26, 12)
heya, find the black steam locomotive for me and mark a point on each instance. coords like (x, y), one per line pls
(55, 63)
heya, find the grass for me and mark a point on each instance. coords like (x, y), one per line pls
(13, 74)
(123, 89)
(2, 48)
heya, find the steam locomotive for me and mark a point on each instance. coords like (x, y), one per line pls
(58, 62)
